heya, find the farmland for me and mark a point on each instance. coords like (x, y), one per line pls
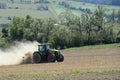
(54, 9)
(92, 7)
(90, 62)
(69, 32)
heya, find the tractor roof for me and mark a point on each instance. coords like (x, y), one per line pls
(44, 44)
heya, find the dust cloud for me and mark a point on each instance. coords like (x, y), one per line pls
(19, 53)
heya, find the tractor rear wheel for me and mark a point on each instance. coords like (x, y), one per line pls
(51, 58)
(36, 57)
(60, 58)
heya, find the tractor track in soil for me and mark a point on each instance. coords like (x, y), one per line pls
(92, 64)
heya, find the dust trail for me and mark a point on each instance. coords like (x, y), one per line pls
(17, 53)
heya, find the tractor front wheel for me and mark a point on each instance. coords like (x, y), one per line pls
(36, 58)
(60, 58)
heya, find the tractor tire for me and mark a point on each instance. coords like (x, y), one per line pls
(51, 58)
(60, 58)
(36, 58)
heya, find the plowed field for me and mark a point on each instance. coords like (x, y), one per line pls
(86, 64)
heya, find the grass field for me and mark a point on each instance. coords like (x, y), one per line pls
(95, 46)
(86, 63)
(23, 11)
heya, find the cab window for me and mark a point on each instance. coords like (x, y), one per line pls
(41, 48)
(48, 47)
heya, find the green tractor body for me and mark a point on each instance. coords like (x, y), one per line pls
(46, 54)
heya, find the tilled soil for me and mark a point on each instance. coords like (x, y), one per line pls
(94, 64)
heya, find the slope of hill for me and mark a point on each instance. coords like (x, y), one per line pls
(44, 8)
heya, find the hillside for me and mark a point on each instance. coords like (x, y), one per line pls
(45, 8)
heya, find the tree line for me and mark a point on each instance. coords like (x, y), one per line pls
(107, 2)
(69, 6)
(69, 31)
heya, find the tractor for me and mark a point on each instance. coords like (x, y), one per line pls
(46, 54)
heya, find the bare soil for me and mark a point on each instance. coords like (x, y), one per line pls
(94, 64)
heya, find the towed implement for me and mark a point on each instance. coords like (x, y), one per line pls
(46, 54)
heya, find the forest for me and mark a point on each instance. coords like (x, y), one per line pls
(69, 31)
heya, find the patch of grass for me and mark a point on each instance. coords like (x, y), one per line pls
(58, 9)
(19, 75)
(96, 46)
(79, 72)
(33, 75)
(97, 71)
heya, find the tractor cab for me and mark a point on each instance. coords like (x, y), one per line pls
(44, 48)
